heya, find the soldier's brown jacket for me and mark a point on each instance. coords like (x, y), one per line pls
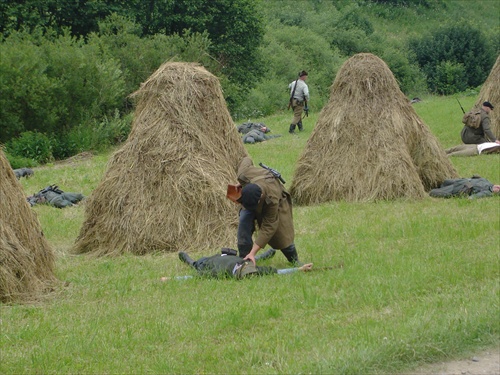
(274, 212)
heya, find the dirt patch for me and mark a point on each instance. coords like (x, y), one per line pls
(484, 363)
(77, 158)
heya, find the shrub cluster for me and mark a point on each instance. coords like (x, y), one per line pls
(72, 83)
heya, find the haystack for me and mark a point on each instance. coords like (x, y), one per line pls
(491, 92)
(164, 190)
(368, 143)
(26, 259)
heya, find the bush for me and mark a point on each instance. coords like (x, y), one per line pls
(92, 136)
(457, 49)
(53, 84)
(450, 78)
(31, 145)
(20, 162)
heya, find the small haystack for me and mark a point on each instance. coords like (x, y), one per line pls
(26, 261)
(491, 92)
(368, 143)
(165, 189)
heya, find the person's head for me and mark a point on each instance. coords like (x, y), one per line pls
(487, 106)
(303, 75)
(495, 189)
(250, 196)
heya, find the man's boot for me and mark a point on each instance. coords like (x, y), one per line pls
(186, 258)
(291, 255)
(266, 255)
(292, 129)
(299, 124)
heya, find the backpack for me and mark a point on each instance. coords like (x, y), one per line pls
(472, 118)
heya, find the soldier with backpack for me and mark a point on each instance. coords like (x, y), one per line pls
(478, 131)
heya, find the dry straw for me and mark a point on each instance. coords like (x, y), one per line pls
(368, 143)
(491, 92)
(164, 190)
(26, 260)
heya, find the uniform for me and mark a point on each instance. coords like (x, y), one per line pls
(273, 214)
(480, 135)
(229, 266)
(471, 187)
(299, 94)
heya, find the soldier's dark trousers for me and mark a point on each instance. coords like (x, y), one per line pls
(246, 227)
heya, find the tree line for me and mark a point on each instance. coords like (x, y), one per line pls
(68, 67)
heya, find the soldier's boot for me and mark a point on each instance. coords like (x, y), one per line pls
(299, 124)
(292, 129)
(186, 258)
(291, 255)
(266, 255)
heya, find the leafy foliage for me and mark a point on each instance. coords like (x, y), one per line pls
(31, 145)
(67, 67)
(452, 53)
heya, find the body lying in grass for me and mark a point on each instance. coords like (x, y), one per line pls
(472, 188)
(231, 266)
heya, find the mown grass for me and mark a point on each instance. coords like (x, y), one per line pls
(419, 283)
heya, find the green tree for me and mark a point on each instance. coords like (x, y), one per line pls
(456, 45)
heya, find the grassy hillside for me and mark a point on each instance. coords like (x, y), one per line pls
(419, 283)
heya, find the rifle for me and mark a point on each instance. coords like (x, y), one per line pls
(306, 109)
(293, 92)
(274, 172)
(460, 106)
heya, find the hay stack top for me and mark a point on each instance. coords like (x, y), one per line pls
(164, 190)
(491, 92)
(368, 143)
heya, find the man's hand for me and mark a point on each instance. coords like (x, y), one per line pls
(250, 257)
(306, 267)
(253, 253)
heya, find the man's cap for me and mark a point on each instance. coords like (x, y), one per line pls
(488, 104)
(250, 196)
(302, 73)
(247, 268)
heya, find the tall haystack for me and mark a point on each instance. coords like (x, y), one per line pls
(164, 190)
(27, 261)
(491, 92)
(368, 143)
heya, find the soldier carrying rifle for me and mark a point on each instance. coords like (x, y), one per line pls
(299, 95)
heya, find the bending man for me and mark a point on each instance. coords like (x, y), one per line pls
(267, 204)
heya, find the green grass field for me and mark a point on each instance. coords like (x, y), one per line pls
(419, 283)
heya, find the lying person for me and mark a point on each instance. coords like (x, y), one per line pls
(474, 187)
(54, 196)
(226, 265)
(23, 172)
(255, 132)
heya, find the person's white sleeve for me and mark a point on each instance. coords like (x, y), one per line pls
(287, 270)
